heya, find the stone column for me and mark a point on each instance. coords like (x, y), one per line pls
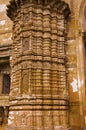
(39, 95)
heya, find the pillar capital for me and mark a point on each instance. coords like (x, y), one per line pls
(14, 5)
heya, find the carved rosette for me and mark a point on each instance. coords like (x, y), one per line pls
(39, 94)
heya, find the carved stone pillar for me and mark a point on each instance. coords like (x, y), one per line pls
(39, 94)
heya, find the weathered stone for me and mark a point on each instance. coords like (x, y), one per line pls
(38, 46)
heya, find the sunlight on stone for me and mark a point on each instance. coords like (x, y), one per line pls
(2, 7)
(2, 22)
(74, 85)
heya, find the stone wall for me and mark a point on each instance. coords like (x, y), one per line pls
(5, 51)
(75, 53)
(5, 24)
(74, 48)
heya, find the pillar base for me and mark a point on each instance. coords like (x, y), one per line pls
(32, 128)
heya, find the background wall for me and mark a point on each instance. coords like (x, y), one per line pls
(76, 71)
(5, 42)
(75, 55)
(5, 24)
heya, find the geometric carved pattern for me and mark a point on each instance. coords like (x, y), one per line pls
(25, 44)
(39, 65)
